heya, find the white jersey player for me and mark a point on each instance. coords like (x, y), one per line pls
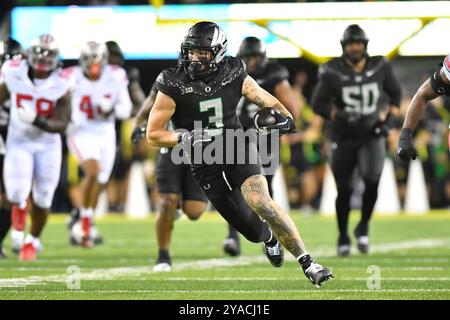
(437, 85)
(39, 92)
(100, 96)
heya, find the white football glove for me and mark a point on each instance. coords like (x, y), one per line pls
(26, 113)
(105, 105)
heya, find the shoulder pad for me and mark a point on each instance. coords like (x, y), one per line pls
(234, 68)
(169, 81)
(277, 71)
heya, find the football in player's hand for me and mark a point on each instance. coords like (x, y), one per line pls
(266, 117)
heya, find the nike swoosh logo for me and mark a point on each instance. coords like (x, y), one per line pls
(203, 140)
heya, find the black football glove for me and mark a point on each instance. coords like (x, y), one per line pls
(282, 123)
(138, 134)
(197, 138)
(405, 148)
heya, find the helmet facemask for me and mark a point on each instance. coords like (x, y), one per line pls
(203, 49)
(43, 54)
(253, 52)
(354, 34)
(199, 62)
(93, 59)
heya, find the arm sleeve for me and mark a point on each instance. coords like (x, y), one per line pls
(322, 97)
(392, 86)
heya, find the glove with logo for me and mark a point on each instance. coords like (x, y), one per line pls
(267, 119)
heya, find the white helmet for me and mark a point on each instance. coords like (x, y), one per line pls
(93, 58)
(43, 53)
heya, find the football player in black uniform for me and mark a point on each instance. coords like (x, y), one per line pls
(274, 78)
(362, 90)
(175, 185)
(436, 85)
(9, 49)
(206, 88)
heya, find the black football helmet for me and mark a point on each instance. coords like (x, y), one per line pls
(115, 53)
(203, 36)
(354, 33)
(252, 46)
(10, 49)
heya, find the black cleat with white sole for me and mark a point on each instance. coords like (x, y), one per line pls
(232, 247)
(275, 254)
(343, 248)
(317, 274)
(362, 238)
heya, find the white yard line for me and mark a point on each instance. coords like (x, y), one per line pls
(113, 273)
(319, 290)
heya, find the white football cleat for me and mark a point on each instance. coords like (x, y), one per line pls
(17, 239)
(162, 267)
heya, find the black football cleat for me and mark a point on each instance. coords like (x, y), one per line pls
(343, 248)
(275, 254)
(232, 247)
(362, 238)
(74, 217)
(317, 274)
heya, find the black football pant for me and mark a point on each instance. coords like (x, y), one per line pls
(222, 185)
(366, 155)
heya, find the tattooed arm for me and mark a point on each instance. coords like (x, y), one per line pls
(252, 91)
(256, 194)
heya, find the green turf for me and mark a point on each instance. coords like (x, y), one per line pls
(412, 254)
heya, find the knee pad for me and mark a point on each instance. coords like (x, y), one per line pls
(43, 199)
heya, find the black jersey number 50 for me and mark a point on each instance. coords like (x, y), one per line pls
(361, 98)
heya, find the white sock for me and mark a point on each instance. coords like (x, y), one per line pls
(23, 204)
(35, 241)
(86, 212)
(302, 255)
(271, 237)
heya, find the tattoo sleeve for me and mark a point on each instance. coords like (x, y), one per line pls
(252, 91)
(256, 194)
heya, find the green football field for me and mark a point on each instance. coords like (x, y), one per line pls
(410, 259)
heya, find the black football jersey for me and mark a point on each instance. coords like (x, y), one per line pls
(213, 103)
(363, 94)
(268, 77)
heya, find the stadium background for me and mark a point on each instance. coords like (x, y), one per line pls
(300, 36)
